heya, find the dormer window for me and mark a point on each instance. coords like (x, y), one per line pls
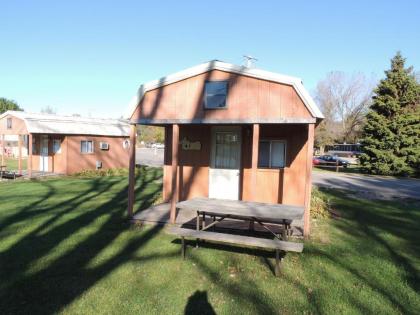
(215, 93)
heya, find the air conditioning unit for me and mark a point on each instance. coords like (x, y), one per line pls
(103, 146)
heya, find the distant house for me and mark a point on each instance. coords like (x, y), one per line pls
(231, 132)
(65, 144)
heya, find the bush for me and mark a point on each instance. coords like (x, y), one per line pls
(107, 172)
(320, 207)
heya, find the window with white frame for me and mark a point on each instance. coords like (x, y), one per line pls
(86, 146)
(272, 154)
(215, 94)
(56, 146)
(9, 123)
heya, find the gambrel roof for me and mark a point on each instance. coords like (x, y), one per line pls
(296, 83)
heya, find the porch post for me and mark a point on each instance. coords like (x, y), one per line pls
(308, 180)
(174, 188)
(2, 150)
(20, 154)
(30, 155)
(255, 144)
(132, 170)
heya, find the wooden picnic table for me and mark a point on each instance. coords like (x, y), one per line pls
(243, 210)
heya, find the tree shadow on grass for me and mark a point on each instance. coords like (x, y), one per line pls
(66, 277)
(388, 228)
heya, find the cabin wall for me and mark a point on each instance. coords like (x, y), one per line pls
(193, 169)
(70, 160)
(116, 157)
(18, 126)
(286, 185)
(248, 98)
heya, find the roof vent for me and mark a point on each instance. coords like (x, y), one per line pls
(249, 61)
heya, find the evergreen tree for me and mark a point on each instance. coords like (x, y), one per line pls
(391, 136)
(6, 104)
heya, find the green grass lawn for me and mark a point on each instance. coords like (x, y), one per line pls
(351, 169)
(12, 164)
(66, 247)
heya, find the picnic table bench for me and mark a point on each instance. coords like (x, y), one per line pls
(261, 213)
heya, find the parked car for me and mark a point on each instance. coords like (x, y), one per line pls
(158, 146)
(316, 161)
(329, 160)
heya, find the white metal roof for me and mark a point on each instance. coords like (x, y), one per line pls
(228, 67)
(55, 124)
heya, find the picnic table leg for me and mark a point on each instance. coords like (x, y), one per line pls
(284, 232)
(197, 227)
(204, 221)
(183, 247)
(251, 225)
(277, 268)
(214, 226)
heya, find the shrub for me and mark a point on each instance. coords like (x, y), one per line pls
(320, 207)
(107, 172)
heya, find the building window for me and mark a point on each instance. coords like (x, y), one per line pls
(56, 146)
(9, 123)
(272, 154)
(86, 146)
(215, 93)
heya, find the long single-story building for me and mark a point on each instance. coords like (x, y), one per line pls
(231, 132)
(66, 144)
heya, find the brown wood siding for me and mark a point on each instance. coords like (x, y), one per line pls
(248, 98)
(18, 126)
(115, 157)
(272, 185)
(193, 169)
(285, 185)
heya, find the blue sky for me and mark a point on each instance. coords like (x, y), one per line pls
(89, 57)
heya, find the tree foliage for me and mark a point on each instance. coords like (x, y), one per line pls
(151, 134)
(6, 104)
(391, 136)
(344, 100)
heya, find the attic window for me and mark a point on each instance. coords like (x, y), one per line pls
(215, 93)
(9, 123)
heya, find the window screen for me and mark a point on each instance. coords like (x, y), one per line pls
(86, 146)
(215, 94)
(272, 154)
(227, 150)
(56, 146)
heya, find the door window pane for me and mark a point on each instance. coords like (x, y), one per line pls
(226, 150)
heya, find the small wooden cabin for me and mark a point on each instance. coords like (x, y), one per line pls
(231, 132)
(66, 144)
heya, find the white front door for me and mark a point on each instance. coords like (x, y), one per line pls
(43, 154)
(225, 163)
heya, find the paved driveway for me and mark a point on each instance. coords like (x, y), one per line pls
(363, 185)
(375, 187)
(151, 157)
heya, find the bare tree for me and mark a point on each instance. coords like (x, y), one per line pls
(48, 110)
(344, 100)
